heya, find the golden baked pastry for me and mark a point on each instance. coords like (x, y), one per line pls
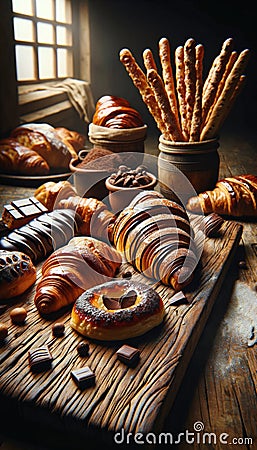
(50, 193)
(232, 196)
(73, 139)
(43, 139)
(97, 219)
(17, 159)
(82, 263)
(119, 309)
(155, 236)
(17, 274)
(116, 112)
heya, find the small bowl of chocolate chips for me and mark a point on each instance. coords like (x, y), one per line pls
(126, 183)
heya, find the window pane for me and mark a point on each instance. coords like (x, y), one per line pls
(63, 11)
(23, 29)
(45, 9)
(25, 62)
(46, 62)
(23, 6)
(63, 36)
(45, 33)
(64, 63)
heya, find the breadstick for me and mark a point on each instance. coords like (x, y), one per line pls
(169, 119)
(231, 61)
(197, 112)
(228, 69)
(219, 111)
(167, 75)
(140, 81)
(215, 76)
(148, 59)
(181, 89)
(190, 78)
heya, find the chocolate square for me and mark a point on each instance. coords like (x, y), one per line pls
(178, 298)
(128, 355)
(40, 359)
(83, 377)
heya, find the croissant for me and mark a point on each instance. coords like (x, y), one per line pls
(17, 159)
(43, 139)
(73, 139)
(51, 193)
(156, 238)
(81, 264)
(97, 219)
(233, 196)
(116, 112)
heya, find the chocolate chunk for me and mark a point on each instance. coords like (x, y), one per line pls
(128, 299)
(178, 298)
(40, 359)
(126, 177)
(83, 349)
(58, 329)
(124, 301)
(128, 355)
(111, 303)
(20, 212)
(83, 377)
(127, 274)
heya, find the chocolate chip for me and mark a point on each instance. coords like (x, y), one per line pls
(178, 298)
(40, 359)
(83, 349)
(123, 168)
(3, 331)
(127, 274)
(128, 299)
(58, 329)
(83, 377)
(128, 355)
(111, 303)
(126, 177)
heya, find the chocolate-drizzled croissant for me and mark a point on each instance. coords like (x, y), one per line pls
(42, 235)
(155, 236)
(97, 219)
(81, 264)
(233, 196)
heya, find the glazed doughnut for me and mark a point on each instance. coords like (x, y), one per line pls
(116, 310)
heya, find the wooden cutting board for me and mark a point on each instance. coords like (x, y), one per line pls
(133, 399)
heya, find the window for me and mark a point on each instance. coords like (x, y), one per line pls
(43, 40)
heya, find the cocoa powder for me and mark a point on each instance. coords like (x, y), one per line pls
(99, 159)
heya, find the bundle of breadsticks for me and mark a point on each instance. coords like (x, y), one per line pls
(186, 107)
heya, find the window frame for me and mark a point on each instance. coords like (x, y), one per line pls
(71, 27)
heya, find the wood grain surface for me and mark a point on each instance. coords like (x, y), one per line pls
(136, 400)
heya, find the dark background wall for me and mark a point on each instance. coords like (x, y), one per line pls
(140, 24)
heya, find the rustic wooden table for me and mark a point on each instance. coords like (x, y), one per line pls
(216, 404)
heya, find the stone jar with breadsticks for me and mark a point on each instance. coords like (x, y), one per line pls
(189, 110)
